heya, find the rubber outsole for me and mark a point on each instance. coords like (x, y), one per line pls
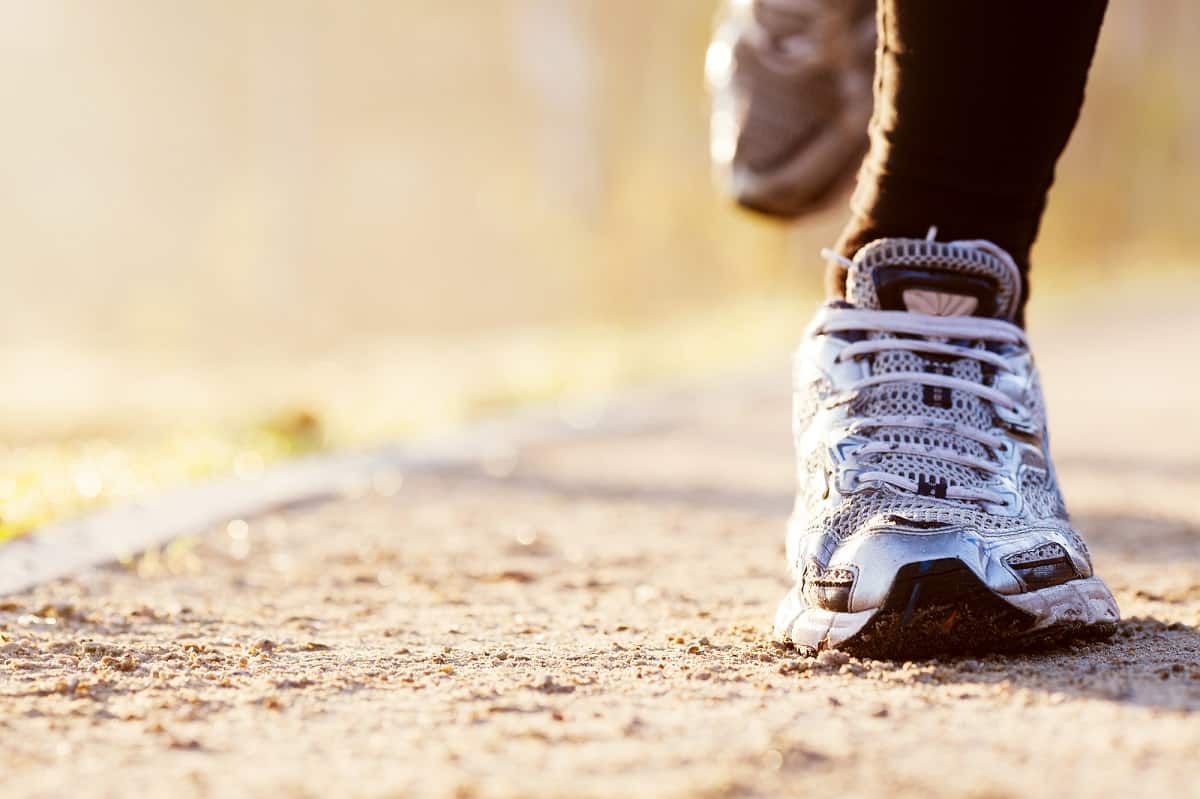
(941, 607)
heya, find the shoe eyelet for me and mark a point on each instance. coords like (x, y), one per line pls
(1020, 419)
(1010, 507)
(847, 481)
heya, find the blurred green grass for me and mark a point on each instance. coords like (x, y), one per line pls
(395, 391)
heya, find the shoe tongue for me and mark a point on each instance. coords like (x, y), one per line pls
(933, 277)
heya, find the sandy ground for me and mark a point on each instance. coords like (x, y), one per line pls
(591, 617)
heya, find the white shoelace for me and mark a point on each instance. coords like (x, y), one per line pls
(934, 335)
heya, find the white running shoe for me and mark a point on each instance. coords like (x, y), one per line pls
(928, 518)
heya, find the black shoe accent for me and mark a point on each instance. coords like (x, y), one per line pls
(937, 396)
(1045, 573)
(919, 524)
(938, 607)
(932, 487)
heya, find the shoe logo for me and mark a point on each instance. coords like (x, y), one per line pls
(937, 396)
(932, 486)
(939, 303)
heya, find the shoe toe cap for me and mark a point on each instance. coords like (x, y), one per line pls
(857, 573)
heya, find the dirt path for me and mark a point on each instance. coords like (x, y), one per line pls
(591, 618)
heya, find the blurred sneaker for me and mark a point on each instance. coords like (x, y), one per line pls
(928, 518)
(790, 82)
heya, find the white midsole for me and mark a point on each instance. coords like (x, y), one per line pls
(1084, 602)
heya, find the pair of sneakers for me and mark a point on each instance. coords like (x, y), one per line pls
(928, 517)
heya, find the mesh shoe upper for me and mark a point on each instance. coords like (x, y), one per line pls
(917, 407)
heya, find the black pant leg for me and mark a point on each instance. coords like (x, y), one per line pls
(974, 103)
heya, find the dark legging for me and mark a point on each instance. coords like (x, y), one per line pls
(974, 102)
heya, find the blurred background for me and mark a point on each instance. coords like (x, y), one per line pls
(234, 232)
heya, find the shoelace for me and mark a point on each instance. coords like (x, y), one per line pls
(927, 328)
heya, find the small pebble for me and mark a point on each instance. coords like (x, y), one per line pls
(832, 659)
